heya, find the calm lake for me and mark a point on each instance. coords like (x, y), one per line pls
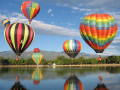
(60, 78)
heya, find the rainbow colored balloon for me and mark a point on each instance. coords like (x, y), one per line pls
(73, 83)
(37, 76)
(19, 36)
(6, 22)
(30, 9)
(72, 47)
(37, 58)
(98, 31)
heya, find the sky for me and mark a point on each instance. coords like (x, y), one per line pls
(58, 21)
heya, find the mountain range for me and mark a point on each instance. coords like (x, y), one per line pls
(48, 55)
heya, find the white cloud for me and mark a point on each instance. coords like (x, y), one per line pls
(17, 15)
(48, 29)
(75, 8)
(82, 18)
(87, 10)
(52, 15)
(52, 22)
(42, 27)
(50, 10)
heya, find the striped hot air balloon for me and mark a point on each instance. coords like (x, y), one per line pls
(72, 47)
(37, 57)
(37, 76)
(6, 22)
(73, 83)
(30, 9)
(19, 36)
(98, 31)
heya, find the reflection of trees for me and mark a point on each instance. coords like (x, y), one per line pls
(15, 70)
(60, 71)
(113, 69)
(49, 72)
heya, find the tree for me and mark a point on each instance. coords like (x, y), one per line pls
(5, 62)
(43, 62)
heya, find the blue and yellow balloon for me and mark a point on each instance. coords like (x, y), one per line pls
(6, 22)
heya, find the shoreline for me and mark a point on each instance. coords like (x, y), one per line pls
(81, 65)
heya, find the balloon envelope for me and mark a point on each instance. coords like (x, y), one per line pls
(72, 47)
(98, 31)
(73, 83)
(37, 57)
(36, 50)
(6, 22)
(30, 9)
(19, 36)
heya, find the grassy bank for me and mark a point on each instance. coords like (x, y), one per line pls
(82, 65)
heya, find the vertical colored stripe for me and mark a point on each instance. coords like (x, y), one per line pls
(31, 37)
(25, 35)
(12, 34)
(6, 35)
(22, 38)
(19, 35)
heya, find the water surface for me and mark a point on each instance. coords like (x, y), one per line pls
(60, 78)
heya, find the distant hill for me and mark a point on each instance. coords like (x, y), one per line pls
(48, 55)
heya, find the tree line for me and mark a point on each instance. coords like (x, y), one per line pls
(61, 60)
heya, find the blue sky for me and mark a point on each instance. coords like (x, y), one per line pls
(58, 21)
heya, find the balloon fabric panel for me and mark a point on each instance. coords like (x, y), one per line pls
(98, 30)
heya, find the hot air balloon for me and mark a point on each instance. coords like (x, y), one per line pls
(19, 36)
(17, 85)
(98, 31)
(73, 83)
(30, 9)
(72, 47)
(6, 22)
(99, 58)
(37, 57)
(37, 76)
(36, 50)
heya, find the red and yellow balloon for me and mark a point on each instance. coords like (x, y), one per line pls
(30, 9)
(19, 36)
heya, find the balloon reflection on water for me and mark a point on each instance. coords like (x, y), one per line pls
(73, 83)
(101, 85)
(37, 76)
(18, 85)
